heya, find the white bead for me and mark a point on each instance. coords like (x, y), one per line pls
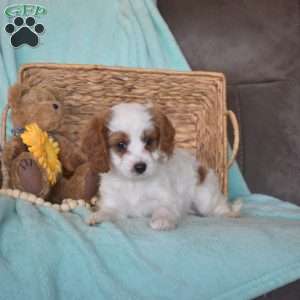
(31, 198)
(65, 207)
(39, 201)
(3, 191)
(9, 192)
(6, 190)
(47, 204)
(16, 193)
(24, 195)
(94, 200)
(81, 202)
(56, 206)
(69, 201)
(73, 204)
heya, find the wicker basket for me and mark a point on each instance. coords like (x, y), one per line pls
(194, 101)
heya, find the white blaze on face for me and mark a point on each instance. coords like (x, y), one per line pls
(132, 120)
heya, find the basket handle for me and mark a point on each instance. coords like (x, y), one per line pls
(3, 127)
(236, 136)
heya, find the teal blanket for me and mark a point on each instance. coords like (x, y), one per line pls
(49, 255)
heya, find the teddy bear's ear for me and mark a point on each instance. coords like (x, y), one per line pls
(15, 94)
(57, 92)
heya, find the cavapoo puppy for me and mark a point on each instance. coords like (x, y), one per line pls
(132, 147)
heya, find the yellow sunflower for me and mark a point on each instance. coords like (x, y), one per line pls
(44, 149)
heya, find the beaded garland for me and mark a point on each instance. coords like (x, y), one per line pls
(67, 204)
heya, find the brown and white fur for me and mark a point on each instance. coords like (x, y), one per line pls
(132, 146)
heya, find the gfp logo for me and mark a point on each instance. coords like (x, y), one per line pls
(23, 28)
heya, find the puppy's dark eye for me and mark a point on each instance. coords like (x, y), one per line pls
(55, 106)
(121, 146)
(148, 141)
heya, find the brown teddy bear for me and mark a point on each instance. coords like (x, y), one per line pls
(42, 105)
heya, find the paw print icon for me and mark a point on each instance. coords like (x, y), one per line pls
(24, 31)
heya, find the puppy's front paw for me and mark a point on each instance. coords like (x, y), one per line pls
(94, 219)
(101, 216)
(163, 219)
(162, 223)
(230, 210)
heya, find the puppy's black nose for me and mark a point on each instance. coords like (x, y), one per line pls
(140, 167)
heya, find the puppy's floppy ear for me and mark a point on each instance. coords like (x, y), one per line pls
(15, 94)
(94, 142)
(166, 131)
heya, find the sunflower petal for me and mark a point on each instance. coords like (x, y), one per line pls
(44, 149)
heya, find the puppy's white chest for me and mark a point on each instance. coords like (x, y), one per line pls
(128, 198)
